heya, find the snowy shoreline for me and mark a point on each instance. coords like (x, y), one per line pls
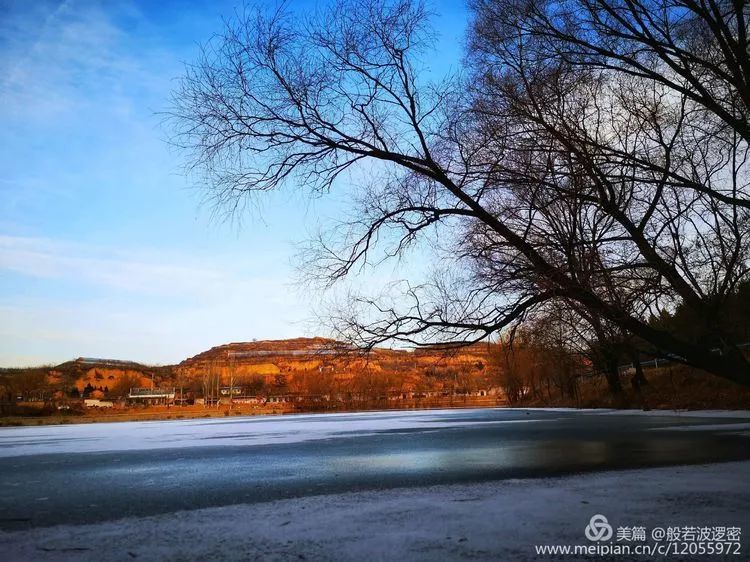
(493, 520)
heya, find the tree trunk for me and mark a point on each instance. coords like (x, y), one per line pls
(613, 382)
(639, 379)
(612, 374)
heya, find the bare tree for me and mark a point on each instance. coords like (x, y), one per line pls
(630, 117)
(211, 382)
(232, 360)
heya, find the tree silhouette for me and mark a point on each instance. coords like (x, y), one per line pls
(593, 154)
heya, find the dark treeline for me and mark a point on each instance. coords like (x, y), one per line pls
(549, 358)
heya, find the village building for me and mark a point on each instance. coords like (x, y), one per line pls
(97, 403)
(152, 396)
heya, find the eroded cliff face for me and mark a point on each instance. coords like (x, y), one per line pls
(322, 366)
(113, 376)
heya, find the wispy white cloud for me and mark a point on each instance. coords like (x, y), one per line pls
(159, 307)
(87, 264)
(146, 272)
(53, 56)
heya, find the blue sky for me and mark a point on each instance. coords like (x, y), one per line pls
(105, 249)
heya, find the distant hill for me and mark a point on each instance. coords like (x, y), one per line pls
(325, 366)
(314, 366)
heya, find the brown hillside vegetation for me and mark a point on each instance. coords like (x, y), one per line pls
(302, 374)
(318, 366)
(318, 374)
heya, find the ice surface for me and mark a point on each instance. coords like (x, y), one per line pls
(488, 521)
(97, 437)
(79, 438)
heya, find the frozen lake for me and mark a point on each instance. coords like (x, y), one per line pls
(98, 472)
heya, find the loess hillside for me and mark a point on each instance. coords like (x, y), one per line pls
(318, 365)
(307, 366)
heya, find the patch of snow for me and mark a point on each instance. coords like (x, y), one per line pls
(678, 413)
(654, 413)
(732, 427)
(495, 520)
